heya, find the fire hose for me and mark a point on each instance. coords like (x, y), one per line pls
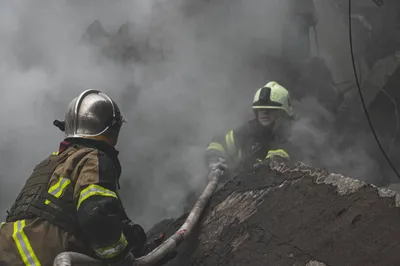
(72, 258)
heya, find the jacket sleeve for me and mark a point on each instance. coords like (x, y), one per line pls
(99, 208)
(278, 153)
(226, 147)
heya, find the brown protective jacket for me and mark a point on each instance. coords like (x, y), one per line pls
(55, 211)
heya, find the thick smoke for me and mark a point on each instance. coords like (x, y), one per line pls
(193, 69)
(203, 84)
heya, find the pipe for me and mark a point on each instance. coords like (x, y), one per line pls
(72, 258)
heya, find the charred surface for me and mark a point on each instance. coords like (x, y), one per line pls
(294, 215)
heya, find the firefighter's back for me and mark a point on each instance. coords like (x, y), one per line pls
(42, 221)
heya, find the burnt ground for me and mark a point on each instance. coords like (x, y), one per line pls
(258, 219)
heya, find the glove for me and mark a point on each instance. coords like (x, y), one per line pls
(217, 164)
(153, 244)
(135, 235)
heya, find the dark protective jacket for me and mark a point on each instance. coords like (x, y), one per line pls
(70, 203)
(244, 146)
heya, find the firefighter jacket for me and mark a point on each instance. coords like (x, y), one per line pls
(70, 203)
(244, 146)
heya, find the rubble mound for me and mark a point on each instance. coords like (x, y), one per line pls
(294, 215)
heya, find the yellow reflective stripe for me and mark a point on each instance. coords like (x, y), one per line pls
(54, 153)
(232, 139)
(95, 190)
(230, 142)
(1, 224)
(114, 250)
(267, 107)
(216, 146)
(23, 245)
(279, 152)
(58, 188)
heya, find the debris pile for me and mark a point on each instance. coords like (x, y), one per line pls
(294, 215)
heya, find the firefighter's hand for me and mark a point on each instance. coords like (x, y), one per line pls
(218, 165)
(153, 243)
(135, 235)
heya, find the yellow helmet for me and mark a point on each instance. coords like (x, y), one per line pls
(273, 96)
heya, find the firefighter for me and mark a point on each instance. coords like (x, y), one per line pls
(259, 139)
(70, 202)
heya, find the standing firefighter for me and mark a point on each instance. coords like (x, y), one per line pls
(70, 202)
(258, 139)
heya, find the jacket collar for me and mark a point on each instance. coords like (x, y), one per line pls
(90, 143)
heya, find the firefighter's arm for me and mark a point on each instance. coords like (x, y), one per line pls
(215, 151)
(279, 154)
(215, 156)
(99, 210)
(224, 149)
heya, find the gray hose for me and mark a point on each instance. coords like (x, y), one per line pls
(74, 259)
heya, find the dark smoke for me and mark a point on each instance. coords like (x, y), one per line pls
(197, 79)
(181, 71)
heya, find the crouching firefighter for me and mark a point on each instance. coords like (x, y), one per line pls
(259, 139)
(70, 202)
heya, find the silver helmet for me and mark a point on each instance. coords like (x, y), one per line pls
(93, 114)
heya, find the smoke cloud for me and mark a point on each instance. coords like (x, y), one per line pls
(199, 81)
(194, 68)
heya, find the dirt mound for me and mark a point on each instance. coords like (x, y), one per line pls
(294, 215)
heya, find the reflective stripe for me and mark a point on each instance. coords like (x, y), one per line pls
(267, 107)
(1, 224)
(23, 245)
(230, 142)
(216, 146)
(95, 190)
(114, 250)
(54, 153)
(279, 152)
(58, 188)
